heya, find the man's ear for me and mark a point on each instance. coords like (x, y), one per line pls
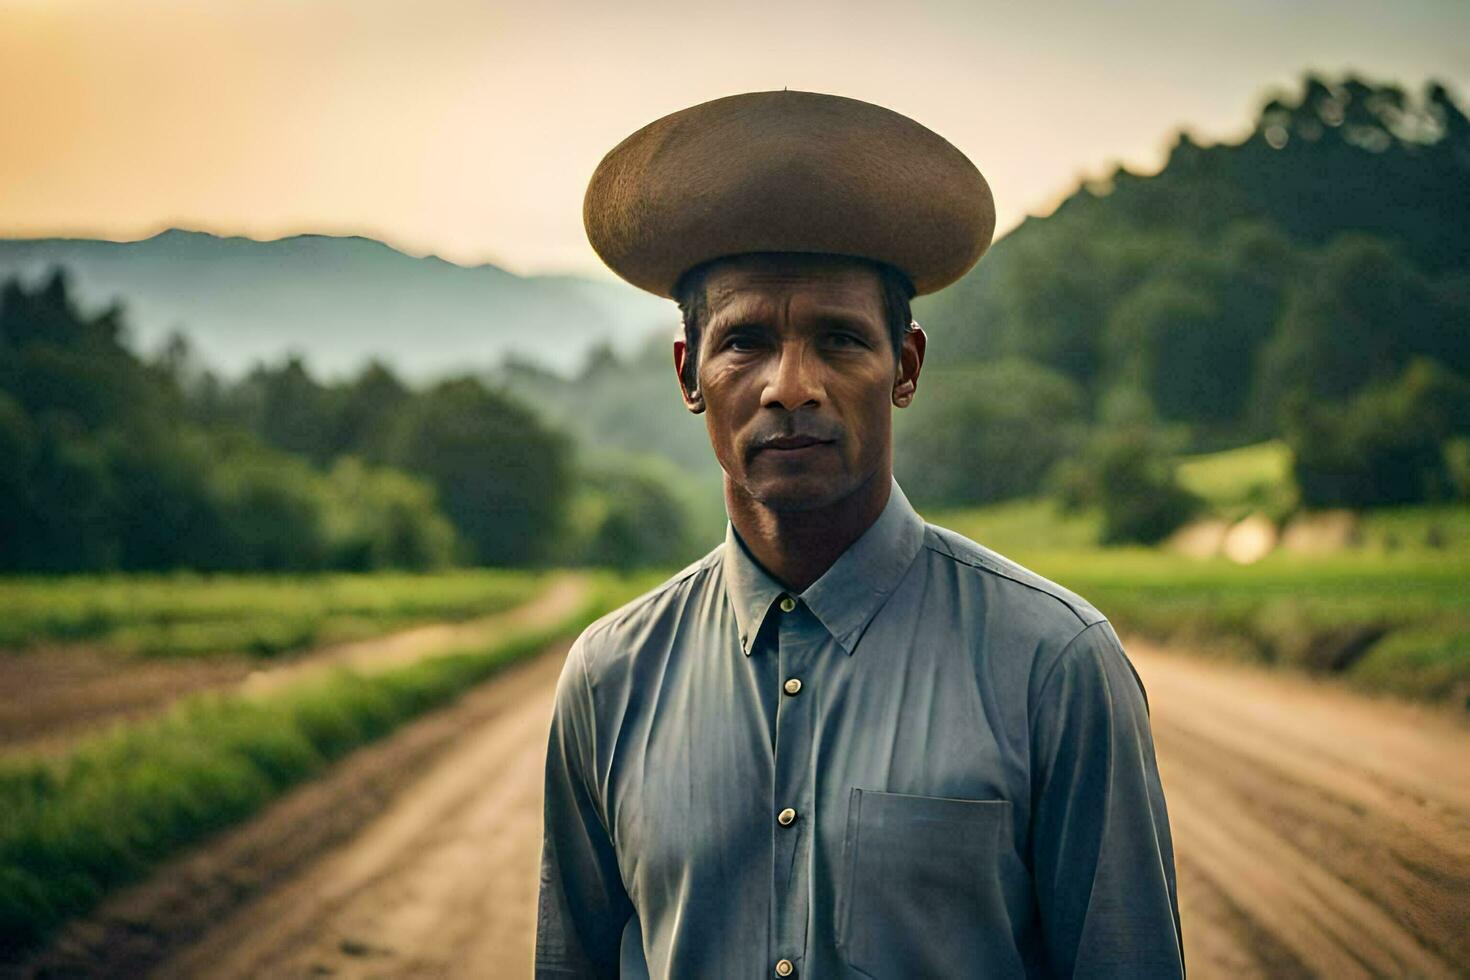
(910, 362)
(693, 398)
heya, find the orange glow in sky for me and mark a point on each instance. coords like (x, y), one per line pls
(469, 129)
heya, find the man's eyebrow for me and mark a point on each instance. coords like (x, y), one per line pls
(746, 321)
(835, 318)
(719, 325)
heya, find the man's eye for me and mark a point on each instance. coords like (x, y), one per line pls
(740, 342)
(847, 340)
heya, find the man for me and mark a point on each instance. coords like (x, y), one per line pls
(846, 742)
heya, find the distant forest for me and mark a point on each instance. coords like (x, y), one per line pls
(112, 462)
(1311, 283)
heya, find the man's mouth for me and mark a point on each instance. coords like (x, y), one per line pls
(788, 443)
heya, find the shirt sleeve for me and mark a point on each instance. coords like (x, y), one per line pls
(582, 907)
(1102, 856)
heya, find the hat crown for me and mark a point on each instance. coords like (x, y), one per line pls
(787, 172)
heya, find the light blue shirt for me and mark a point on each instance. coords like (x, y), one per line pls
(931, 763)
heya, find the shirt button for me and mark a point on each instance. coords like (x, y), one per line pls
(792, 685)
(787, 603)
(786, 817)
(784, 968)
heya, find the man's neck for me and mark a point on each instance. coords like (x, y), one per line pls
(797, 546)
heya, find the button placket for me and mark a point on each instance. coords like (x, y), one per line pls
(800, 640)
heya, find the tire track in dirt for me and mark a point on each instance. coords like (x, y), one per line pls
(443, 883)
(1317, 832)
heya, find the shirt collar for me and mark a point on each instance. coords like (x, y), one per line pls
(849, 594)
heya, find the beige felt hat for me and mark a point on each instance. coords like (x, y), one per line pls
(787, 172)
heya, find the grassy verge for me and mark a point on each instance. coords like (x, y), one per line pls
(1390, 614)
(1024, 527)
(188, 614)
(1442, 528)
(1384, 622)
(74, 828)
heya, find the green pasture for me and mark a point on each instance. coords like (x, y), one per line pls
(190, 614)
(1390, 613)
(1429, 528)
(1249, 477)
(74, 827)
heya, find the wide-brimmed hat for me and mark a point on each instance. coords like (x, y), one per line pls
(787, 172)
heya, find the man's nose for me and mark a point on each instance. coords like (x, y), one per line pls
(794, 381)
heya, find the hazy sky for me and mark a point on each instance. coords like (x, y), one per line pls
(469, 128)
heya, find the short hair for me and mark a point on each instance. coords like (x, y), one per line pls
(689, 292)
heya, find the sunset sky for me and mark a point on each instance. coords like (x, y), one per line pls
(469, 129)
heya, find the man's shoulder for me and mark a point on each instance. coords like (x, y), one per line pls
(1024, 592)
(1053, 623)
(608, 635)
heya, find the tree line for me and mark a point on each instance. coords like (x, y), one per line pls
(1311, 282)
(113, 461)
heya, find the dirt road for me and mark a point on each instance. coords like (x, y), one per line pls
(1317, 833)
(413, 856)
(442, 883)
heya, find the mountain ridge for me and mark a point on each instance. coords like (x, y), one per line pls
(338, 301)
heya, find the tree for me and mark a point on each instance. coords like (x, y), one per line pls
(1386, 446)
(383, 518)
(99, 471)
(1358, 317)
(502, 476)
(626, 516)
(1168, 339)
(1126, 470)
(984, 433)
(364, 413)
(291, 411)
(1127, 475)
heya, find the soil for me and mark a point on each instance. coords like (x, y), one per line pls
(70, 691)
(52, 695)
(1317, 832)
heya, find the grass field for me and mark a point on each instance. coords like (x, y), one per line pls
(79, 825)
(1432, 528)
(1389, 614)
(1254, 477)
(189, 615)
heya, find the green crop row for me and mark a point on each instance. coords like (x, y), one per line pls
(190, 614)
(76, 827)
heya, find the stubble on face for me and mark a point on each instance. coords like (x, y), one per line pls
(797, 372)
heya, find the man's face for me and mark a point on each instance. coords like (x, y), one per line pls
(796, 375)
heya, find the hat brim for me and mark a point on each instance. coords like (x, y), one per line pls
(787, 172)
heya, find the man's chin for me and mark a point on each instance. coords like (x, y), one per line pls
(797, 492)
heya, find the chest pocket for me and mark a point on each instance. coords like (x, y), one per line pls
(919, 893)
